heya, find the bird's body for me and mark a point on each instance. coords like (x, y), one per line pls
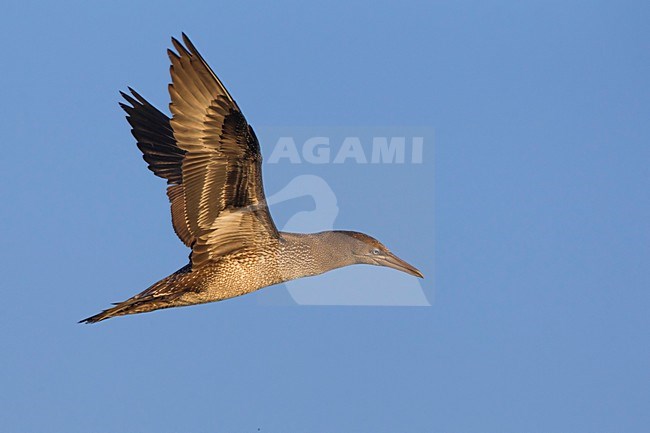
(211, 160)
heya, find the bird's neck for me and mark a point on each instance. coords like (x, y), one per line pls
(312, 254)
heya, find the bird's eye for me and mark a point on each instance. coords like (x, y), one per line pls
(376, 251)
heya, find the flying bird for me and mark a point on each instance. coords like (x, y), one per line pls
(211, 159)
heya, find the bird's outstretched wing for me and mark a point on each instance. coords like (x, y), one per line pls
(210, 157)
(155, 138)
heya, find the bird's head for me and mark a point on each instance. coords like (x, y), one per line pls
(368, 250)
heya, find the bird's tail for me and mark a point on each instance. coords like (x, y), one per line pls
(120, 309)
(166, 293)
(134, 306)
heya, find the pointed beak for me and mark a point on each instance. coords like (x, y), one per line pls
(392, 261)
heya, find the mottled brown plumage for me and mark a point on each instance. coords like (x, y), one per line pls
(212, 162)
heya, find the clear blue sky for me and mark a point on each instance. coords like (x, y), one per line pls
(539, 321)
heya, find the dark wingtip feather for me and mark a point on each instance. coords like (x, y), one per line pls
(172, 55)
(130, 100)
(127, 108)
(139, 97)
(180, 48)
(189, 43)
